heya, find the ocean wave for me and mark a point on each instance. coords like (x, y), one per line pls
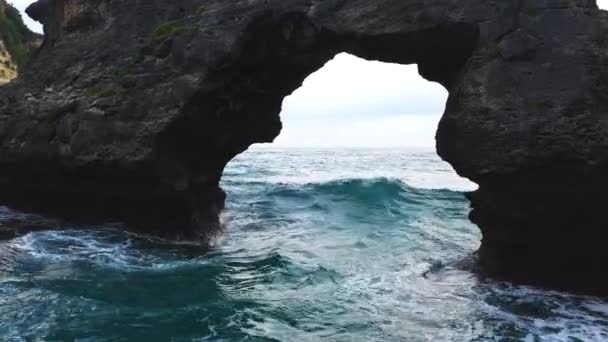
(315, 247)
(372, 189)
(381, 197)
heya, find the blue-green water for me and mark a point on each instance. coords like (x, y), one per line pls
(319, 245)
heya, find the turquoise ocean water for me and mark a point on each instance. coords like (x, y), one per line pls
(318, 245)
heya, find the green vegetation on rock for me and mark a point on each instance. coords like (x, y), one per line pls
(170, 28)
(16, 35)
(534, 11)
(201, 9)
(102, 91)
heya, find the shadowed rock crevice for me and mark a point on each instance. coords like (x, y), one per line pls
(132, 109)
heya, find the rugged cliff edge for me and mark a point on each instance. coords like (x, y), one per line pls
(132, 109)
(17, 42)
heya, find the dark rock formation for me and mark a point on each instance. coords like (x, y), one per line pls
(132, 109)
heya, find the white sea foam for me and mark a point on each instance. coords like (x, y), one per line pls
(310, 252)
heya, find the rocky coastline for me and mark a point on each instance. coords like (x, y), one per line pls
(130, 111)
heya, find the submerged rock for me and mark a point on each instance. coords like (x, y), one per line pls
(131, 110)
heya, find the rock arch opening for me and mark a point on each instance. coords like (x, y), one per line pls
(354, 103)
(241, 99)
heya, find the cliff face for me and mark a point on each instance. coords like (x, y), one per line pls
(17, 42)
(8, 69)
(132, 109)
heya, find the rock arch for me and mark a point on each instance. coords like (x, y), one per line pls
(131, 110)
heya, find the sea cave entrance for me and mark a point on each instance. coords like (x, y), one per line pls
(356, 154)
(354, 168)
(352, 187)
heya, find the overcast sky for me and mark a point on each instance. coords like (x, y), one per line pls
(356, 103)
(22, 5)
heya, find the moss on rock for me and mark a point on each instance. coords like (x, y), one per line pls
(16, 36)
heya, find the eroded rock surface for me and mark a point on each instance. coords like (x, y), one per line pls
(132, 109)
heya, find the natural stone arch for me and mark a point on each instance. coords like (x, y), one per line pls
(132, 109)
(278, 54)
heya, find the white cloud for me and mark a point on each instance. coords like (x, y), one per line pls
(348, 85)
(358, 103)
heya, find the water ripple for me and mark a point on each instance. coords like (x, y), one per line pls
(319, 246)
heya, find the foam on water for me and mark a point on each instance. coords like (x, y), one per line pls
(351, 245)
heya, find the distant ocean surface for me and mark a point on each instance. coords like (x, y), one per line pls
(319, 245)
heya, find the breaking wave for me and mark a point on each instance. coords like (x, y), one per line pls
(305, 256)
